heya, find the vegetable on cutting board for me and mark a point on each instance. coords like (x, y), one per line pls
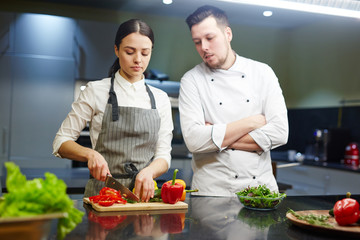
(346, 211)
(182, 182)
(108, 197)
(171, 192)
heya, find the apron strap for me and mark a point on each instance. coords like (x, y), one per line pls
(113, 101)
(151, 96)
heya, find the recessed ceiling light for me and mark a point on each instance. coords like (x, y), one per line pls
(267, 13)
(167, 1)
(347, 8)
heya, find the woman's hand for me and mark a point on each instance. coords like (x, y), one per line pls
(144, 184)
(97, 165)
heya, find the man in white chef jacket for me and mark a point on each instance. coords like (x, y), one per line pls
(232, 111)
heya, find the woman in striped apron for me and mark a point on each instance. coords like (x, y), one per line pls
(130, 122)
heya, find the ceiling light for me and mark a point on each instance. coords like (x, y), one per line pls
(167, 1)
(267, 13)
(349, 8)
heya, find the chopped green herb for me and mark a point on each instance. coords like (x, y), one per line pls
(130, 200)
(319, 220)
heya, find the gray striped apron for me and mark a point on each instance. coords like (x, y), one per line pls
(127, 140)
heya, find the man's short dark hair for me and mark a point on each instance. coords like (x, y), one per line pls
(206, 11)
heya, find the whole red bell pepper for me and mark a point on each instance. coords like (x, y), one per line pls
(346, 211)
(171, 192)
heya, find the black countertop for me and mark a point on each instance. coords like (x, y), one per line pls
(206, 218)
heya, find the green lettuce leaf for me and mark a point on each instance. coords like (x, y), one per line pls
(38, 196)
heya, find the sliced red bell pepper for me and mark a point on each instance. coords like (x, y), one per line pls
(106, 196)
(171, 192)
(106, 203)
(346, 211)
(109, 191)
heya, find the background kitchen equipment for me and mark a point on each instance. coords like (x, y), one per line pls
(351, 157)
(329, 144)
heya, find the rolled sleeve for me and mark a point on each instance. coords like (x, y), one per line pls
(58, 141)
(261, 139)
(218, 134)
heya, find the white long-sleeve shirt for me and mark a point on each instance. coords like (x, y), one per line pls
(223, 96)
(90, 107)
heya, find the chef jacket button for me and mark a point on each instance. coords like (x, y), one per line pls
(212, 79)
(220, 103)
(243, 76)
(254, 177)
(247, 100)
(236, 176)
(233, 149)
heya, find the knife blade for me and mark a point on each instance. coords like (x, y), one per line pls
(125, 192)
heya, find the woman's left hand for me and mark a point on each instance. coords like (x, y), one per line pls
(144, 184)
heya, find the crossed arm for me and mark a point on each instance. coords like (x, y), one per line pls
(237, 137)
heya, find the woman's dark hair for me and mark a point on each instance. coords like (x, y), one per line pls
(206, 11)
(126, 28)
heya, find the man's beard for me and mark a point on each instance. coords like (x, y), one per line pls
(218, 65)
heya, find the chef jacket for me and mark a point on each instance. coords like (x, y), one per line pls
(90, 107)
(223, 96)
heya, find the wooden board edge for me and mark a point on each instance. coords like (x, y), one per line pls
(131, 207)
(338, 230)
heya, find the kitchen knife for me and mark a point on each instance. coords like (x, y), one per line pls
(125, 192)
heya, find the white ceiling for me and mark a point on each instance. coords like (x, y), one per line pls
(238, 13)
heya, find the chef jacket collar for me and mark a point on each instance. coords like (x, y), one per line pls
(127, 85)
(238, 66)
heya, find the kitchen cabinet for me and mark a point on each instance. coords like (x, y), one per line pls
(36, 86)
(42, 96)
(5, 85)
(314, 180)
(5, 99)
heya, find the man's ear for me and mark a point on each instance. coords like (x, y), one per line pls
(228, 34)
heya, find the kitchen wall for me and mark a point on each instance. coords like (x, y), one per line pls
(324, 66)
(317, 66)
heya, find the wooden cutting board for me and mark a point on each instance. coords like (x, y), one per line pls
(137, 206)
(351, 230)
